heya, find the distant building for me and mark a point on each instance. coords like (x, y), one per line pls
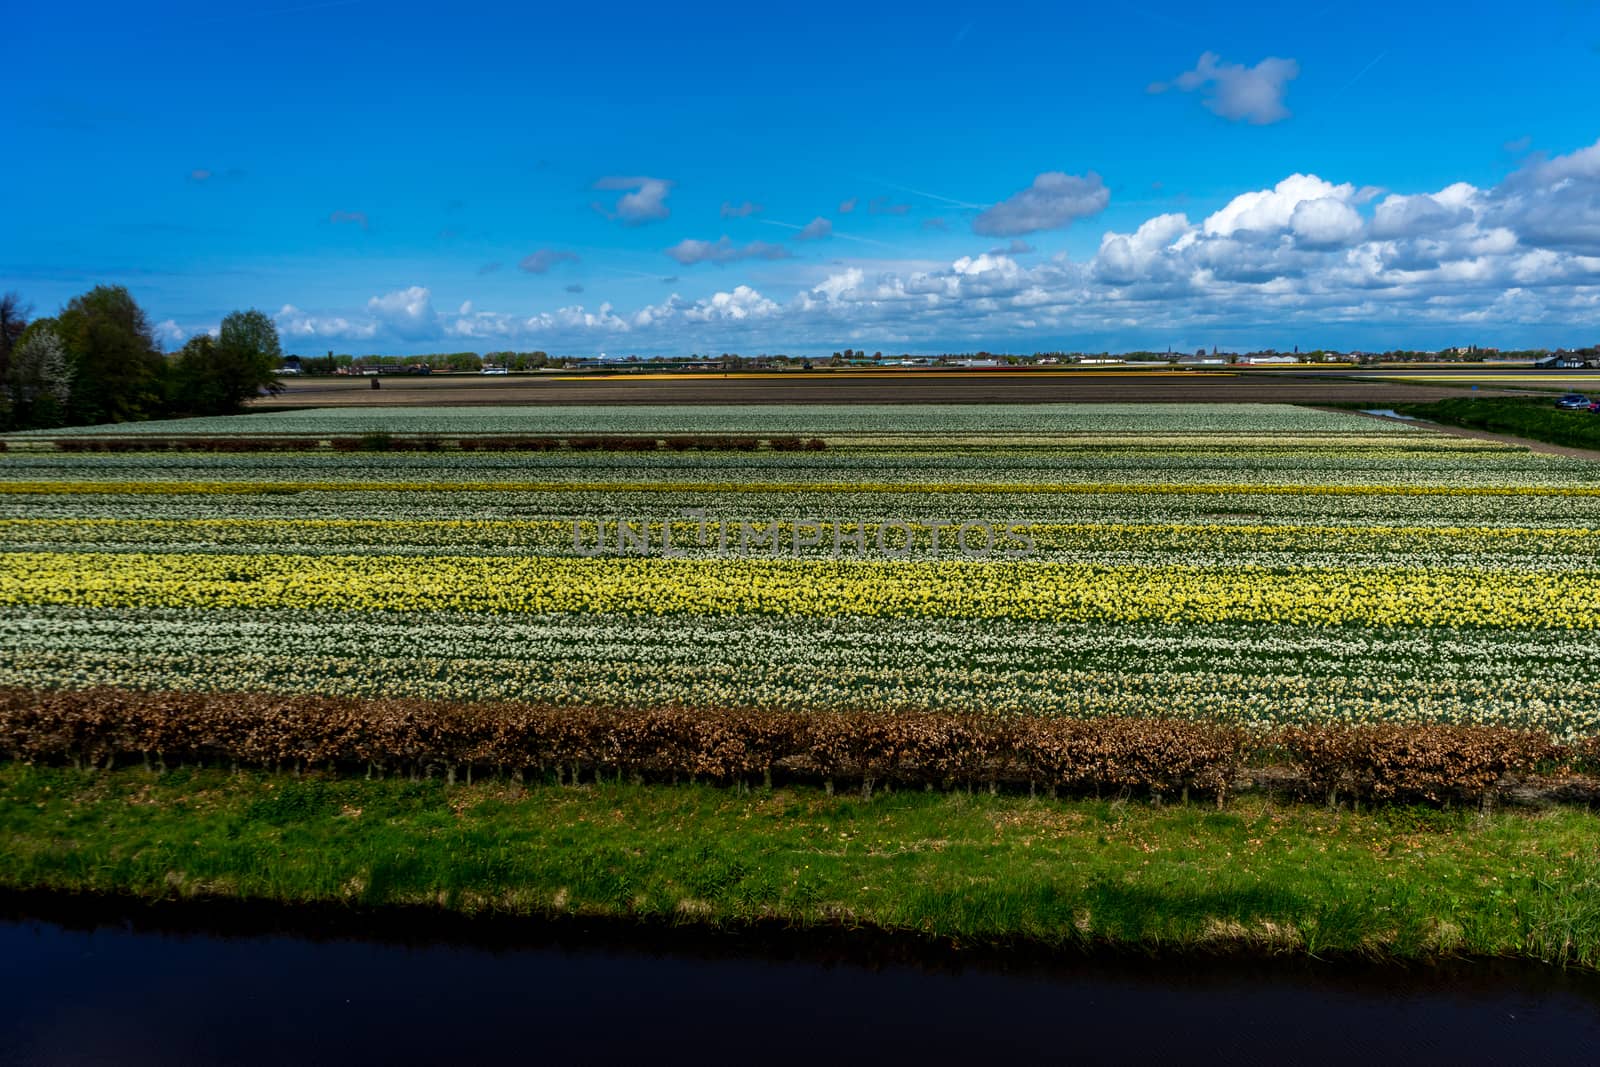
(1562, 361)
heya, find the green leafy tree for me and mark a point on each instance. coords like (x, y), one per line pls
(216, 376)
(117, 369)
(253, 333)
(319, 364)
(194, 386)
(251, 356)
(38, 380)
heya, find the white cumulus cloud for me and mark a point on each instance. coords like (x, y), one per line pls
(303, 325)
(643, 199)
(405, 313)
(1237, 92)
(689, 251)
(1130, 257)
(815, 230)
(541, 261)
(1268, 212)
(1326, 222)
(1052, 201)
(1555, 203)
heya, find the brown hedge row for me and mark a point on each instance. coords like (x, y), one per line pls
(797, 444)
(184, 444)
(509, 444)
(97, 727)
(1429, 762)
(383, 442)
(1157, 757)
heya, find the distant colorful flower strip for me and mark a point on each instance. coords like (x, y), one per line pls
(871, 418)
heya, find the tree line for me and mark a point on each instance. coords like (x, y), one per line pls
(97, 360)
(438, 361)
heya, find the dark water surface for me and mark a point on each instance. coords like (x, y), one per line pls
(128, 992)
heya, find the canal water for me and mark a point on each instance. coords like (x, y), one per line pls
(115, 992)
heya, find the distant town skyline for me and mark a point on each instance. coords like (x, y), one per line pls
(397, 178)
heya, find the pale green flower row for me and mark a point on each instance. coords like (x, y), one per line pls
(1199, 466)
(1241, 507)
(1207, 544)
(1257, 676)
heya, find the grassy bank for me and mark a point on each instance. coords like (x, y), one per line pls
(1395, 883)
(1535, 419)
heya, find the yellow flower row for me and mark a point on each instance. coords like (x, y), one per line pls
(1318, 596)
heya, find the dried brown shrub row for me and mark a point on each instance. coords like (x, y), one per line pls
(1161, 757)
(1427, 762)
(509, 444)
(184, 444)
(96, 727)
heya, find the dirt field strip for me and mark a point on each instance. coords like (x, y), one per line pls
(850, 388)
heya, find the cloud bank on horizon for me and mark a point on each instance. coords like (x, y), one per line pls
(1298, 181)
(1302, 252)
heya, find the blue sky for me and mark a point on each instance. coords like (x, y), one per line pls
(387, 176)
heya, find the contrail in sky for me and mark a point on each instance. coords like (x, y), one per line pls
(1363, 72)
(931, 196)
(835, 233)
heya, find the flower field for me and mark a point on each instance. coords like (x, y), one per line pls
(1257, 565)
(825, 419)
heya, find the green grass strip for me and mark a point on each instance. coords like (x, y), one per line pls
(1398, 883)
(1536, 420)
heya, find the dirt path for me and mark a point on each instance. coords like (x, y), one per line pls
(1542, 447)
(885, 387)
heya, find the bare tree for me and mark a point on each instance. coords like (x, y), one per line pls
(13, 320)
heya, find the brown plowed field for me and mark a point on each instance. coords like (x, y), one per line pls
(847, 388)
